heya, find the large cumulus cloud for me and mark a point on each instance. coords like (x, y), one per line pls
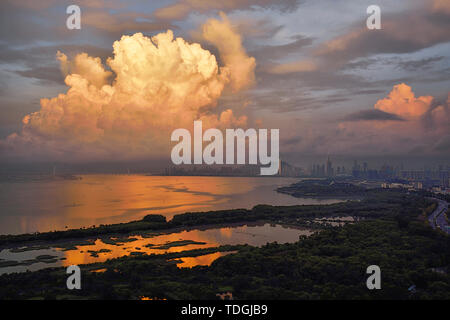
(402, 102)
(400, 124)
(425, 123)
(128, 109)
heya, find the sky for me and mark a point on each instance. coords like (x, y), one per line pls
(137, 70)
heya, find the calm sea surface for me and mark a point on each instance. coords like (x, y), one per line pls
(29, 206)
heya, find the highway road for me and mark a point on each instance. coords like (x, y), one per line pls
(437, 218)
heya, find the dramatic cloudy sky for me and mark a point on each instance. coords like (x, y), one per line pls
(139, 69)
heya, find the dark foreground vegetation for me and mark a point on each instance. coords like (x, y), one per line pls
(324, 188)
(330, 264)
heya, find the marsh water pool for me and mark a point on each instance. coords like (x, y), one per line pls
(85, 251)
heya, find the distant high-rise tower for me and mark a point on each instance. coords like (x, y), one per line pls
(329, 167)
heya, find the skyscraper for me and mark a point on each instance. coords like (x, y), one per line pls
(329, 167)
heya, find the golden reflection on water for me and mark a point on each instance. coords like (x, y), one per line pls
(204, 260)
(105, 199)
(130, 196)
(256, 235)
(83, 254)
(99, 250)
(226, 232)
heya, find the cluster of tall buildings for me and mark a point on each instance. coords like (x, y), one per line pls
(440, 177)
(287, 170)
(284, 170)
(212, 170)
(327, 170)
(437, 177)
(426, 178)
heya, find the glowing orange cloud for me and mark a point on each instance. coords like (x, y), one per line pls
(423, 127)
(401, 101)
(155, 85)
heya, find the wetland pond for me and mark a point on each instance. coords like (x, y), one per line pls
(84, 251)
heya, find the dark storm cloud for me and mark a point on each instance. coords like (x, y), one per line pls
(20, 25)
(396, 62)
(281, 100)
(39, 54)
(254, 30)
(40, 62)
(360, 64)
(368, 91)
(356, 50)
(46, 74)
(401, 33)
(13, 112)
(421, 64)
(314, 80)
(435, 76)
(291, 141)
(25, 23)
(270, 52)
(306, 91)
(182, 8)
(372, 114)
(443, 145)
(117, 24)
